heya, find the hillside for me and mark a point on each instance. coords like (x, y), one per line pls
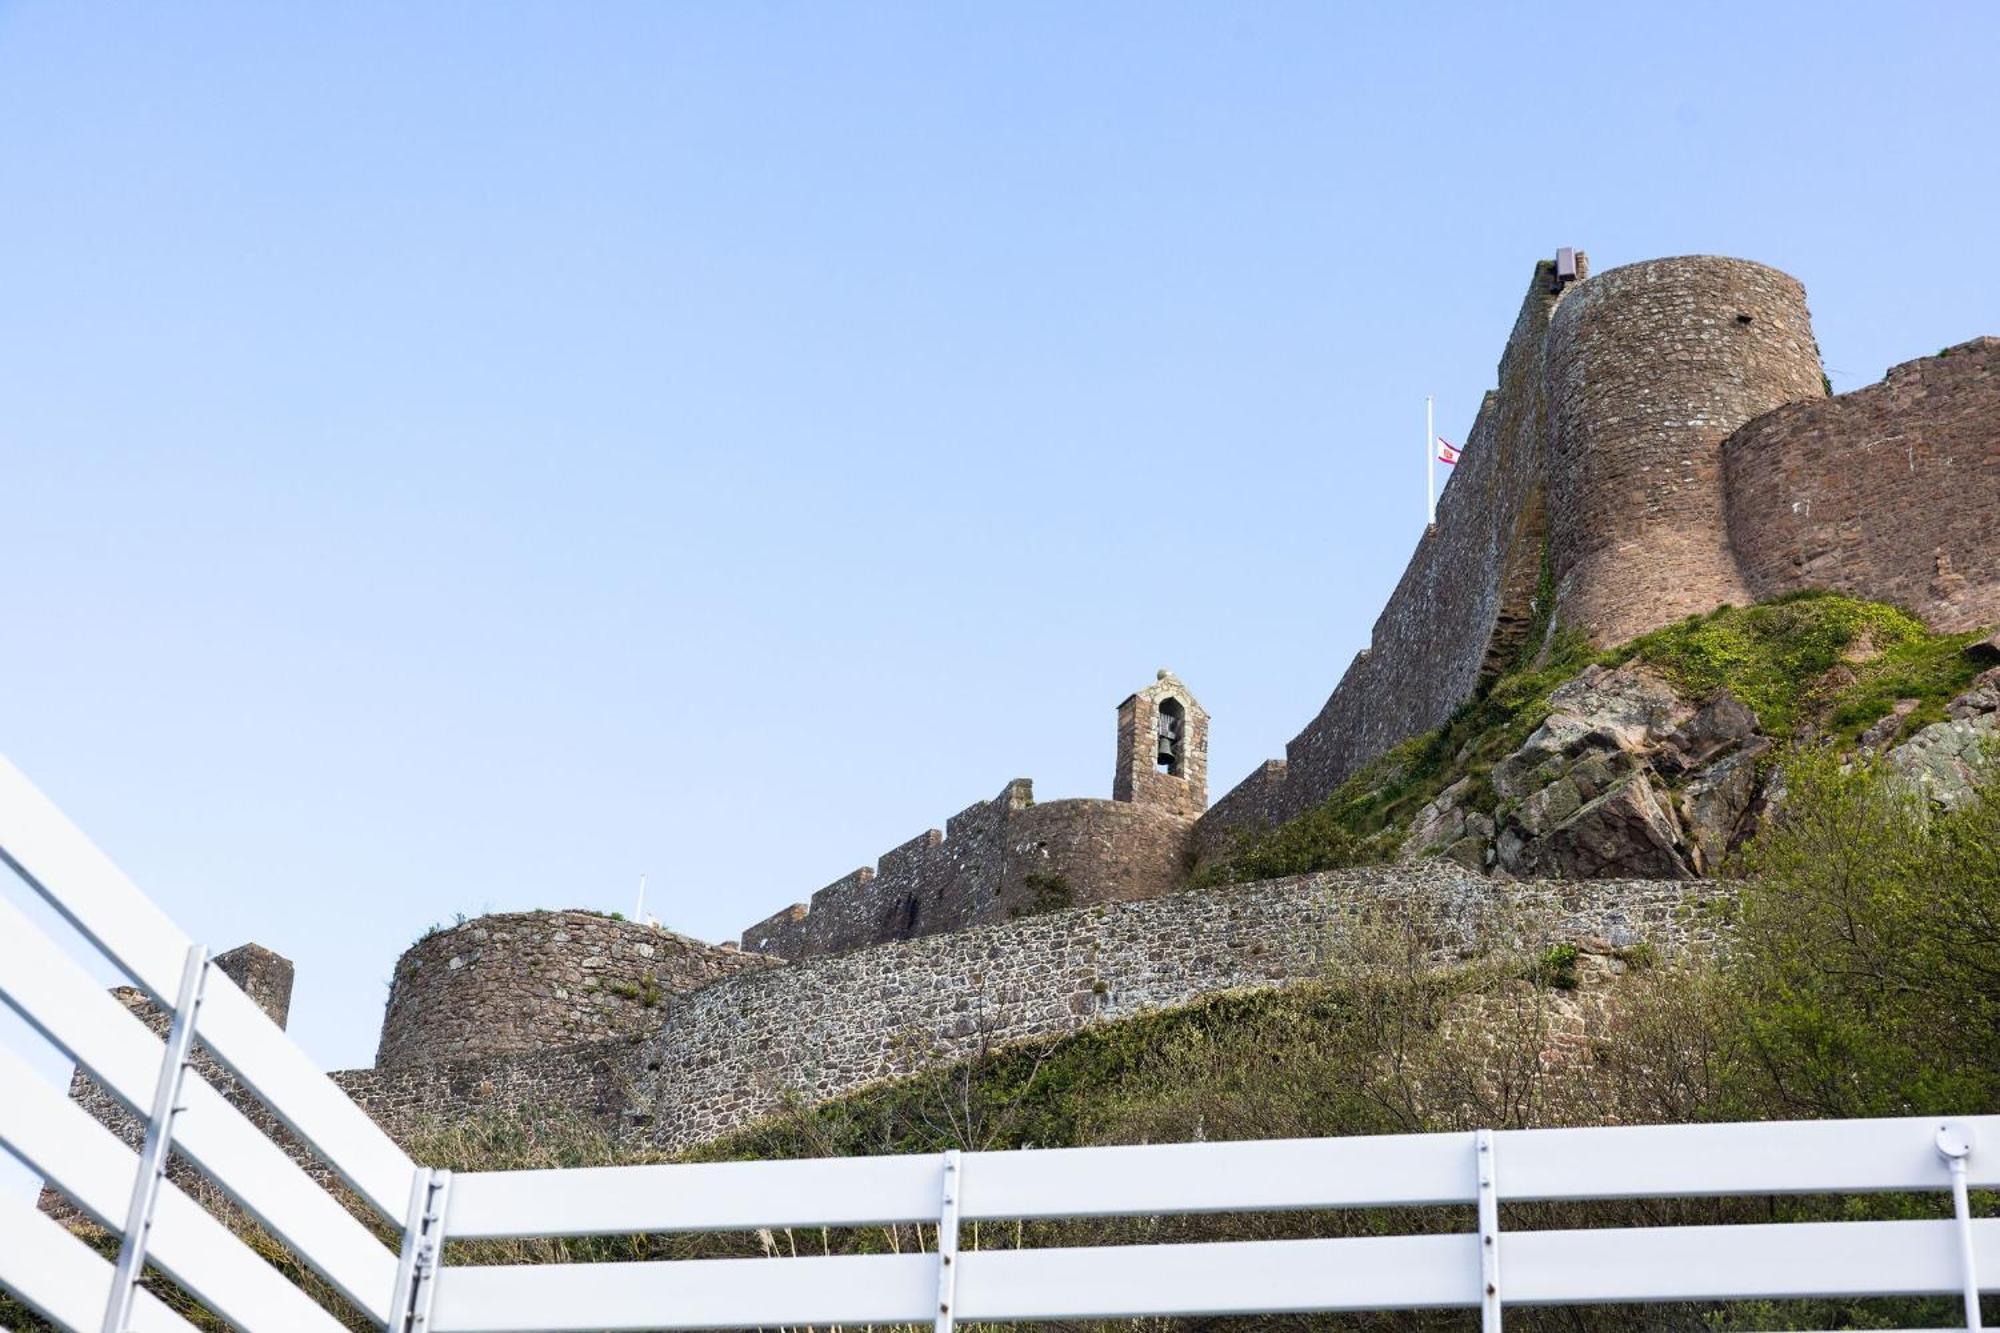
(1652, 759)
(1818, 750)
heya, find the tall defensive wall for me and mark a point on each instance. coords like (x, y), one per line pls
(1592, 492)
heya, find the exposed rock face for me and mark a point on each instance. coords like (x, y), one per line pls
(1944, 760)
(1591, 793)
(1714, 803)
(1583, 796)
(1626, 827)
(1626, 778)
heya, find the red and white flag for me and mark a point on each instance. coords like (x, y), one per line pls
(1447, 451)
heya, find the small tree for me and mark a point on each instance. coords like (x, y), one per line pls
(1868, 975)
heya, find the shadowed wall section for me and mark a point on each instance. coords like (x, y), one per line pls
(1890, 492)
(1461, 613)
(1650, 368)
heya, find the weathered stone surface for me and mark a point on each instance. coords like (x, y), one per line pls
(1947, 761)
(532, 980)
(1603, 448)
(734, 1051)
(1540, 758)
(1625, 832)
(1633, 704)
(1714, 803)
(1013, 855)
(1982, 697)
(1944, 761)
(1890, 492)
(1440, 823)
(1650, 367)
(1720, 723)
(744, 1047)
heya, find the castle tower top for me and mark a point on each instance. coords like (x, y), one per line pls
(1163, 748)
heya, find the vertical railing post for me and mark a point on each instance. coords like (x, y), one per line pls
(1954, 1143)
(1489, 1234)
(154, 1154)
(422, 1253)
(947, 1244)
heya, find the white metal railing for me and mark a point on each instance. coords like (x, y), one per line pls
(410, 1289)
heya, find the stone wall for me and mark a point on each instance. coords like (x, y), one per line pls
(1890, 492)
(528, 980)
(739, 1050)
(266, 979)
(1650, 368)
(1462, 610)
(1078, 852)
(1138, 775)
(993, 861)
(592, 1080)
(1660, 443)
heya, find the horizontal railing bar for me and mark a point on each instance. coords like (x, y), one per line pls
(1763, 1261)
(709, 1293)
(83, 1159)
(1759, 1261)
(1626, 1162)
(1365, 1171)
(63, 1280)
(708, 1196)
(1767, 1157)
(62, 865)
(1239, 1277)
(61, 1001)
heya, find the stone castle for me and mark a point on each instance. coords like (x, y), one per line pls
(1661, 440)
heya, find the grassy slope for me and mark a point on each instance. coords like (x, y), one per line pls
(1785, 659)
(1373, 1048)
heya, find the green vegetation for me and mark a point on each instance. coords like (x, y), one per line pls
(646, 991)
(1557, 967)
(1861, 982)
(1809, 665)
(1364, 821)
(1046, 893)
(1813, 660)
(1865, 974)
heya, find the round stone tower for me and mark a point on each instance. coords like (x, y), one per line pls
(1650, 368)
(524, 981)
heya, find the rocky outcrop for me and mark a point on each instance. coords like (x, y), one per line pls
(1627, 778)
(1624, 777)
(1945, 760)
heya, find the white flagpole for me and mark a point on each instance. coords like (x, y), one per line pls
(1430, 463)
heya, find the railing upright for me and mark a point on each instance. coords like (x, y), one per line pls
(1489, 1234)
(947, 1245)
(159, 1141)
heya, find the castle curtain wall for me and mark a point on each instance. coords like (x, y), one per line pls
(1890, 492)
(1650, 368)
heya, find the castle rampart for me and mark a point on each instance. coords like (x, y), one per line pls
(1660, 443)
(745, 1047)
(531, 980)
(1891, 492)
(1464, 606)
(1009, 857)
(1650, 368)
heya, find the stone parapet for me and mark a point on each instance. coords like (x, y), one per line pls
(527, 980)
(1890, 492)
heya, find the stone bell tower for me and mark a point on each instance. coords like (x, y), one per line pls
(1163, 749)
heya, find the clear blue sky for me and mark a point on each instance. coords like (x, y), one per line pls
(459, 457)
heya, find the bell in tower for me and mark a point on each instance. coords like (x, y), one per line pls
(1167, 735)
(1163, 749)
